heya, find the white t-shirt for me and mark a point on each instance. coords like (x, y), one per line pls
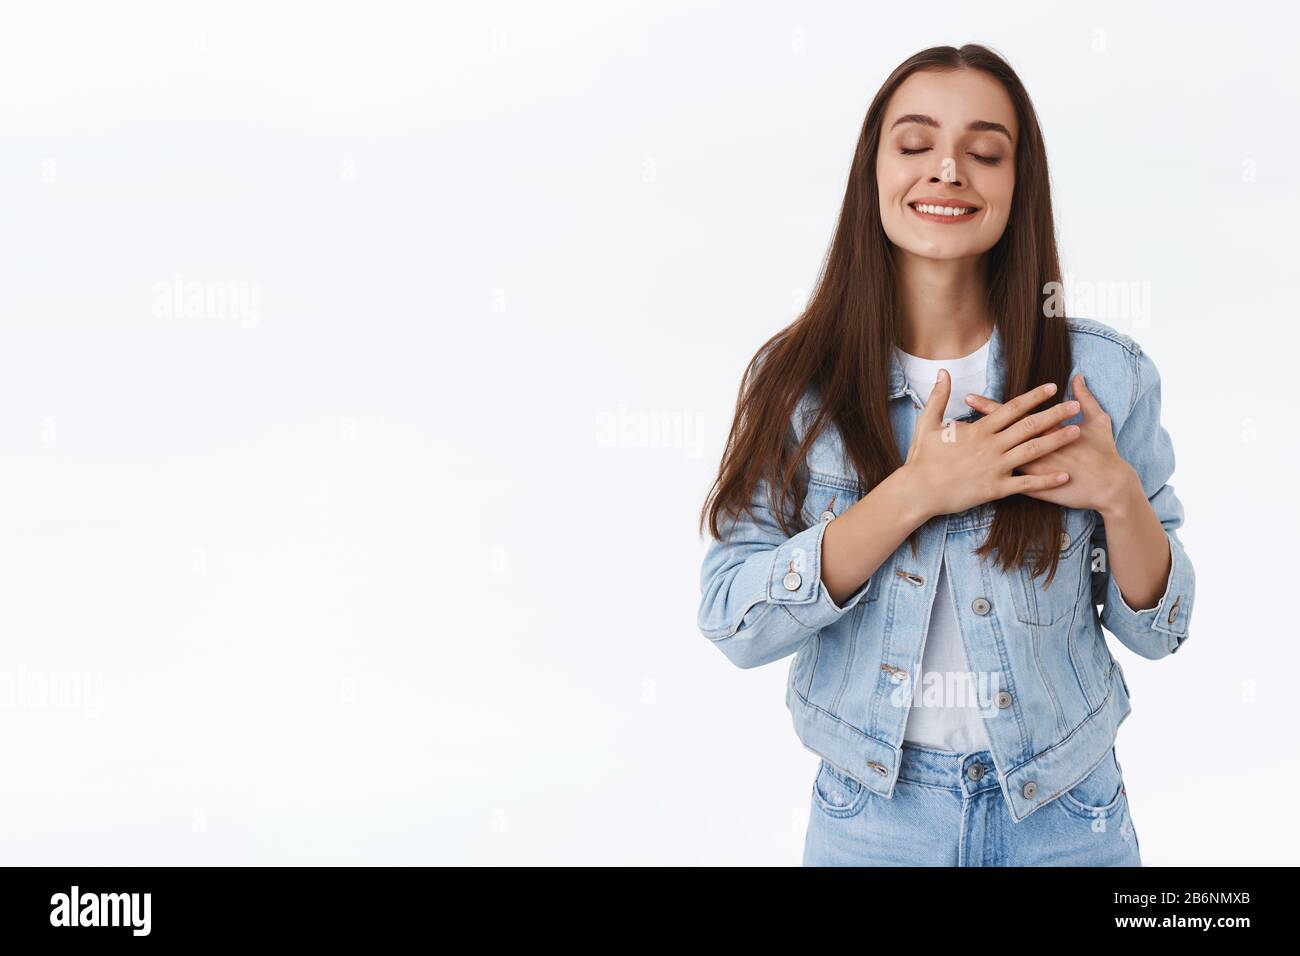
(940, 718)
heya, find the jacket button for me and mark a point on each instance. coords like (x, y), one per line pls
(1029, 789)
(1003, 699)
(792, 581)
(980, 606)
(1065, 540)
(975, 771)
(828, 515)
(1173, 611)
(896, 674)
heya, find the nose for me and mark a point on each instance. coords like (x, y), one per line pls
(948, 172)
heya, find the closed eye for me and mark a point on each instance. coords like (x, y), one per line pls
(986, 160)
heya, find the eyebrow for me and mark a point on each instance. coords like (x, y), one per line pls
(976, 126)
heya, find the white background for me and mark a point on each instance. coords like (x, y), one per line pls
(380, 568)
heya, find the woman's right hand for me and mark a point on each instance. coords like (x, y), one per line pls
(954, 466)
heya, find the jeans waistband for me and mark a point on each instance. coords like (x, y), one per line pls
(971, 772)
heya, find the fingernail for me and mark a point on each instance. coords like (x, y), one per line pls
(1062, 476)
(1051, 388)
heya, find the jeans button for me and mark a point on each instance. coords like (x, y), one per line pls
(975, 771)
(792, 581)
(1003, 699)
(980, 606)
(1029, 789)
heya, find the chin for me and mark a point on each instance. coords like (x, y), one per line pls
(941, 250)
(944, 246)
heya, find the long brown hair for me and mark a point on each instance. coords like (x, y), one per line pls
(840, 345)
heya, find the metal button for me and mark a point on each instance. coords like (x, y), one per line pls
(1065, 540)
(896, 674)
(1173, 611)
(975, 771)
(792, 581)
(1003, 699)
(980, 606)
(1029, 789)
(828, 515)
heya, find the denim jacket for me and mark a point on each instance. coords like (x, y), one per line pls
(1060, 695)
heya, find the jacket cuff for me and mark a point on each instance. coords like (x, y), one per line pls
(1154, 632)
(795, 581)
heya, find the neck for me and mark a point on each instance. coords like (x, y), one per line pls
(944, 305)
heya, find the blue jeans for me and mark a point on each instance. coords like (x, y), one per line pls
(947, 810)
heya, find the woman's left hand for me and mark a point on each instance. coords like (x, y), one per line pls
(1098, 475)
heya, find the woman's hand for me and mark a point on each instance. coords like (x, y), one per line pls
(954, 466)
(1097, 471)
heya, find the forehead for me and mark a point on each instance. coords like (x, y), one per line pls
(954, 98)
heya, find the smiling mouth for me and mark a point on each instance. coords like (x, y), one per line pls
(936, 212)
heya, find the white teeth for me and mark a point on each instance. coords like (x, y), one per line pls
(941, 210)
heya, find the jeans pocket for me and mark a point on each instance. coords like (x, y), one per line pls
(836, 793)
(1099, 795)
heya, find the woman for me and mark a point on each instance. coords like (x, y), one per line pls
(933, 481)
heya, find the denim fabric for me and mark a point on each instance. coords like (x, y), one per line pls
(947, 810)
(1052, 693)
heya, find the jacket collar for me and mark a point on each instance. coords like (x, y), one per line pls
(995, 372)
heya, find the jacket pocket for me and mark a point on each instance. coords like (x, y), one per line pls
(1042, 604)
(828, 497)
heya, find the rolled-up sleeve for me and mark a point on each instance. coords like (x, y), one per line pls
(1145, 444)
(761, 592)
